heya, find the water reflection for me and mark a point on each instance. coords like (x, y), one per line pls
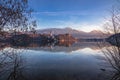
(11, 64)
(59, 47)
(112, 55)
(42, 62)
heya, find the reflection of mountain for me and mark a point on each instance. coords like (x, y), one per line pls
(73, 32)
(67, 46)
(62, 48)
(4, 45)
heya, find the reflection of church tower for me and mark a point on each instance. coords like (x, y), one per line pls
(50, 33)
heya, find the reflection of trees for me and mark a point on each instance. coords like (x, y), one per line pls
(11, 64)
(113, 56)
(116, 76)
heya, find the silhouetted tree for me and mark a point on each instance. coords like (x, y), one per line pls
(112, 53)
(14, 14)
(33, 27)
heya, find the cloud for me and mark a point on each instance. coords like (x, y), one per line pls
(76, 20)
(72, 13)
(60, 13)
(81, 26)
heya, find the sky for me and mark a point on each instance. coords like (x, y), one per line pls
(85, 15)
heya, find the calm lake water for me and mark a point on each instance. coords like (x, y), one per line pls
(79, 61)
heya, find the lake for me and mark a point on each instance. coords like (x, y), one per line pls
(78, 61)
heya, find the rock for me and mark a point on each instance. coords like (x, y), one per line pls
(102, 69)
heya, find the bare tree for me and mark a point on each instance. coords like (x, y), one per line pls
(14, 14)
(112, 53)
(32, 29)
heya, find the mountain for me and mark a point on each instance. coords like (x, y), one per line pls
(58, 30)
(75, 33)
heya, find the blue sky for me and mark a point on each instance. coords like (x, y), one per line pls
(83, 15)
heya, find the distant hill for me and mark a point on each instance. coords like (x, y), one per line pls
(75, 33)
